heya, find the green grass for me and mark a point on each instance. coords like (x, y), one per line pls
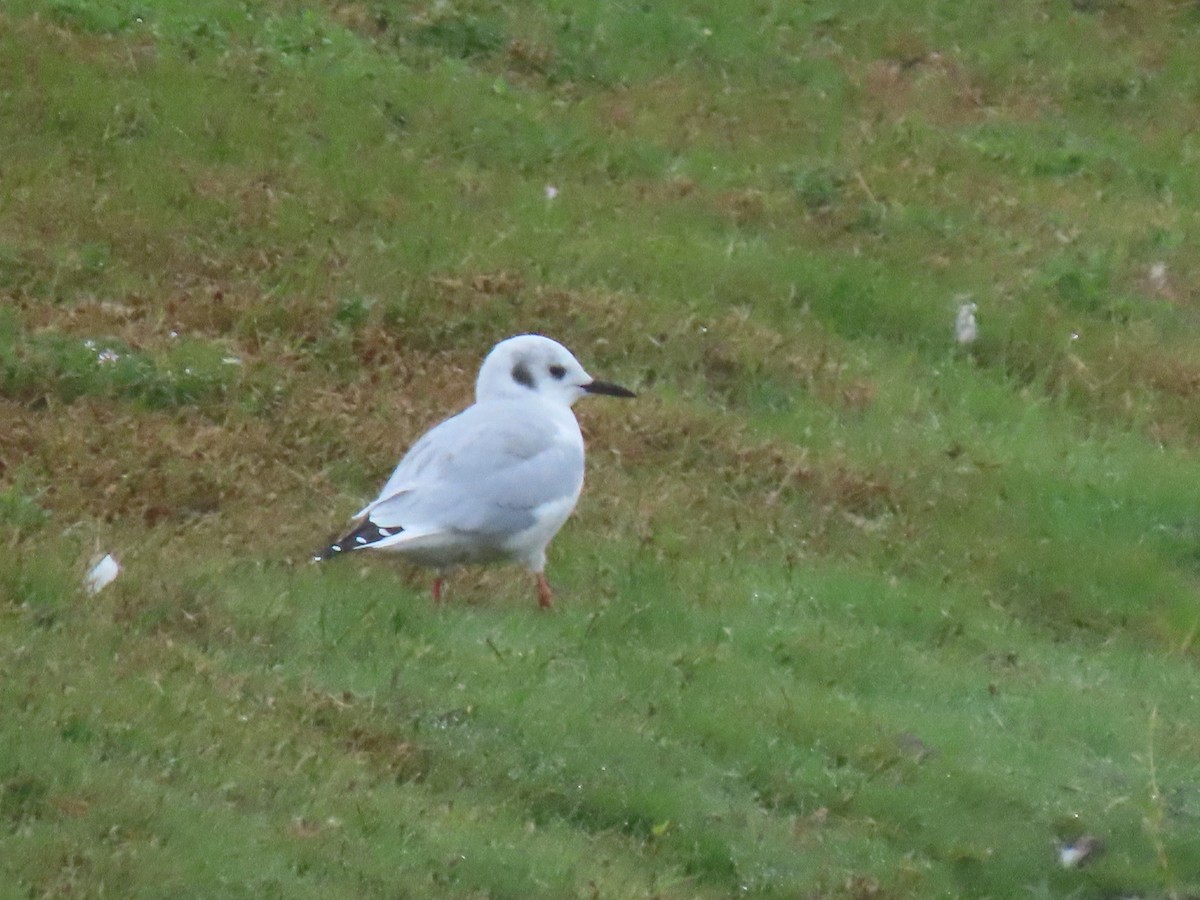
(846, 610)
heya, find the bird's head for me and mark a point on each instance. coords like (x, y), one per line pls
(531, 362)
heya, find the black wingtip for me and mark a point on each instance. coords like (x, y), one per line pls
(334, 549)
(363, 536)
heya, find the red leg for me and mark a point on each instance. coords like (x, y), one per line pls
(545, 595)
(437, 590)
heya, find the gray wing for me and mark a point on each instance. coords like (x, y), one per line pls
(487, 471)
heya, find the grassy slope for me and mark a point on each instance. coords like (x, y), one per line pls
(845, 611)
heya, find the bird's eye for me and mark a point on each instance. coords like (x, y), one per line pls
(557, 371)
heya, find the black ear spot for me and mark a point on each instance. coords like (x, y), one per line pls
(557, 371)
(521, 375)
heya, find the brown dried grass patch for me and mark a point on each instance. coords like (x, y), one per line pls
(113, 463)
(715, 457)
(350, 723)
(932, 82)
(276, 480)
(1174, 376)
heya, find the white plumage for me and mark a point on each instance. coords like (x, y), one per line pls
(495, 482)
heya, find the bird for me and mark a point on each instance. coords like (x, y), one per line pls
(495, 482)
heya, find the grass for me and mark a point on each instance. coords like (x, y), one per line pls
(846, 610)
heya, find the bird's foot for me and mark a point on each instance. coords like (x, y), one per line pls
(545, 595)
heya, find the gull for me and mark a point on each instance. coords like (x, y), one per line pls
(495, 482)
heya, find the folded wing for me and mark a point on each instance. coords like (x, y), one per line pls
(485, 472)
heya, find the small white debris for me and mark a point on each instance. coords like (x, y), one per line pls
(1074, 855)
(104, 355)
(231, 361)
(102, 574)
(1158, 275)
(551, 192)
(965, 328)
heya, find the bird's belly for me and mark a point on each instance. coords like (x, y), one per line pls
(454, 549)
(548, 519)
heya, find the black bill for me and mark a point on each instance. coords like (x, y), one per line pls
(607, 387)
